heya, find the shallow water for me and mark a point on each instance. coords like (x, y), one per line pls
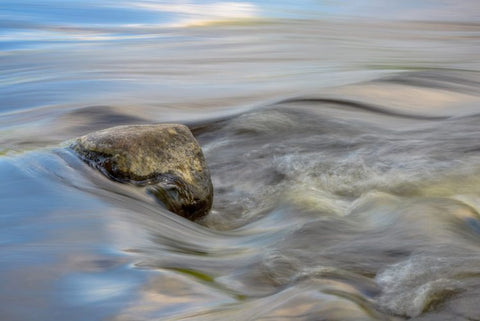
(344, 151)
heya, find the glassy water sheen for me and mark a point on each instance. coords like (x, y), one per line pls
(343, 141)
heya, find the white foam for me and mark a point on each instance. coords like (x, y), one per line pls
(411, 286)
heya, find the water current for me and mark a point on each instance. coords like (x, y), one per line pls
(343, 142)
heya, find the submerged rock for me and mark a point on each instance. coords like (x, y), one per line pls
(166, 156)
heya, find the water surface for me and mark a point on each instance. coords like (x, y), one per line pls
(342, 139)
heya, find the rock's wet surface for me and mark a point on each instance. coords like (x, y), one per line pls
(166, 156)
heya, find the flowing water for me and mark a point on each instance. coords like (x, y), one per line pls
(343, 142)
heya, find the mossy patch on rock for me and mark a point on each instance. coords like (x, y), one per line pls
(166, 156)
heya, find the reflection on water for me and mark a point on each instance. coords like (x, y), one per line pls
(342, 139)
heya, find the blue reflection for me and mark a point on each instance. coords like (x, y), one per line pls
(76, 12)
(100, 287)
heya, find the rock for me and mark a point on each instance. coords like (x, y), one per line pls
(165, 156)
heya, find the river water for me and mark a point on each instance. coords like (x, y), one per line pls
(343, 142)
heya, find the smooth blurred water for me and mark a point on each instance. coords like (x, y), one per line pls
(342, 139)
